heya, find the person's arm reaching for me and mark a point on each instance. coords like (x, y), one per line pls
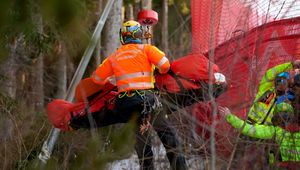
(256, 130)
(268, 79)
(271, 73)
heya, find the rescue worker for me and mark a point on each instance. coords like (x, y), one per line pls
(273, 84)
(272, 89)
(132, 67)
(284, 132)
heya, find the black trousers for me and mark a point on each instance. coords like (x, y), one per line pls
(132, 106)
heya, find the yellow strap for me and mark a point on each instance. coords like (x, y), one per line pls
(133, 93)
(140, 93)
(122, 95)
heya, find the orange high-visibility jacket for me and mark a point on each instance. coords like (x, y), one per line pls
(131, 65)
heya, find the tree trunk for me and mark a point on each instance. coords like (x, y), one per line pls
(61, 71)
(136, 8)
(38, 87)
(181, 41)
(37, 72)
(10, 66)
(165, 44)
(129, 12)
(111, 29)
(147, 4)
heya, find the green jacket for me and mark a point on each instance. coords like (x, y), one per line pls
(288, 142)
(260, 107)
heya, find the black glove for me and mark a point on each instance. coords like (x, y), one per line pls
(156, 71)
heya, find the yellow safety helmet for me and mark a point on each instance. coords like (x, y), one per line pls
(283, 107)
(131, 32)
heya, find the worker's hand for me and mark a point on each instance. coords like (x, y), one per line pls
(224, 111)
(296, 64)
(156, 71)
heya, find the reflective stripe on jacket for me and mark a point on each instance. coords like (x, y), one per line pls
(288, 142)
(259, 109)
(132, 67)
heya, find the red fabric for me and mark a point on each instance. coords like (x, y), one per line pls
(166, 82)
(59, 111)
(87, 88)
(194, 67)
